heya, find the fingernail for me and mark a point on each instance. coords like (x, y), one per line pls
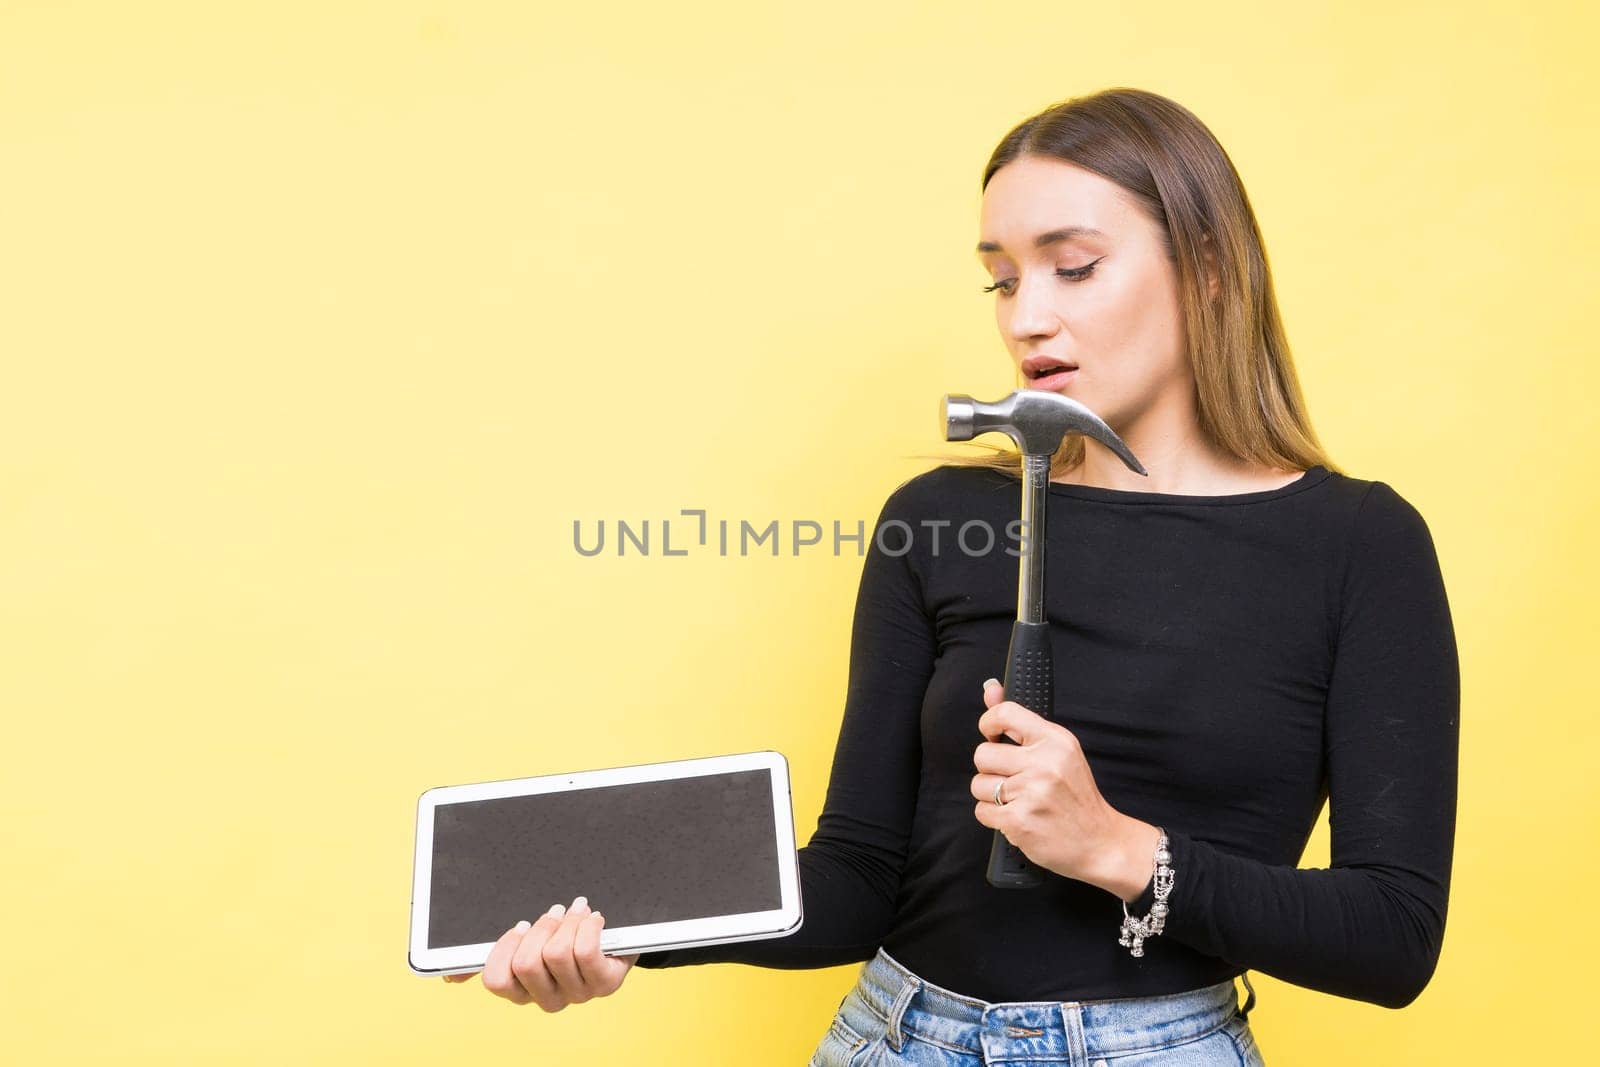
(556, 911)
(579, 902)
(523, 926)
(990, 681)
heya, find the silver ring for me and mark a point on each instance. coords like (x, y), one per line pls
(999, 786)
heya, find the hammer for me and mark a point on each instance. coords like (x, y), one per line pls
(1036, 420)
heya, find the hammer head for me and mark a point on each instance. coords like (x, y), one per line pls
(1035, 419)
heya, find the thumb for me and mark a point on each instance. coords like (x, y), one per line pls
(993, 692)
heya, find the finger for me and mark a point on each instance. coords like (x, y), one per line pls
(997, 757)
(1010, 719)
(986, 814)
(497, 976)
(998, 816)
(528, 966)
(983, 788)
(459, 977)
(558, 954)
(993, 692)
(602, 974)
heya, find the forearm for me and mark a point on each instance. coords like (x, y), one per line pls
(847, 896)
(1371, 933)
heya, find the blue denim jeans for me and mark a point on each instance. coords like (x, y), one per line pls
(893, 1017)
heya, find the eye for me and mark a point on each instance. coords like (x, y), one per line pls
(1075, 274)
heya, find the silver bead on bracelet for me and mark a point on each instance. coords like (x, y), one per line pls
(1134, 931)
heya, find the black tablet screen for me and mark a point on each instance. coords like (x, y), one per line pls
(647, 852)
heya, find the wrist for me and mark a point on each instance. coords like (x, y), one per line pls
(1130, 860)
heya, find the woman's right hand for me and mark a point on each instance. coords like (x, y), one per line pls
(553, 962)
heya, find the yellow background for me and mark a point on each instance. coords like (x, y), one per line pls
(322, 322)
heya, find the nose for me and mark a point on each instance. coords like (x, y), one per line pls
(1032, 313)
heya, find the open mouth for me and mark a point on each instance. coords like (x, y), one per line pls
(1045, 373)
(1051, 371)
(1041, 368)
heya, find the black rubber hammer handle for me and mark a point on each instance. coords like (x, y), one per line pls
(1030, 681)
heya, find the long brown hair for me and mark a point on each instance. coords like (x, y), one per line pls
(1248, 397)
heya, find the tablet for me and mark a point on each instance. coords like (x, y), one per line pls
(691, 852)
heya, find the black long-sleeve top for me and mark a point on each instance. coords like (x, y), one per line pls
(1228, 663)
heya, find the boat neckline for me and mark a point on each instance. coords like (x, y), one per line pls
(1311, 476)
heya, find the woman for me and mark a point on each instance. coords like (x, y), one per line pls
(1240, 636)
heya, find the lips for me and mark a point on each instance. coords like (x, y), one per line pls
(1053, 380)
(1041, 368)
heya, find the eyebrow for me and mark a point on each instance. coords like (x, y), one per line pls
(1065, 233)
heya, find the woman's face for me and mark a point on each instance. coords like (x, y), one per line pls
(1105, 299)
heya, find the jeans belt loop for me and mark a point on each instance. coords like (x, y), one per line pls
(897, 1013)
(1249, 1001)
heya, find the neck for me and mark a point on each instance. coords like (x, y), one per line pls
(1171, 449)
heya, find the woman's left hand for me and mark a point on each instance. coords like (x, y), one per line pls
(1053, 809)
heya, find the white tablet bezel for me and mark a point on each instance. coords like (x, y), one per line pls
(622, 940)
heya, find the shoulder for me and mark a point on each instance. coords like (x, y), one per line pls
(948, 487)
(1365, 509)
(1388, 542)
(1382, 516)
